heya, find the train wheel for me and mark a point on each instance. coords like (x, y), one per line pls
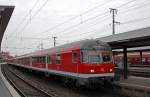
(69, 82)
(108, 84)
(30, 70)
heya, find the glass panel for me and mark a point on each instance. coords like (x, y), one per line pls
(84, 56)
(106, 56)
(75, 57)
(95, 56)
(49, 60)
(91, 56)
(57, 58)
(94, 59)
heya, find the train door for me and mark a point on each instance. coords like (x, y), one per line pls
(30, 58)
(46, 60)
(75, 61)
(57, 61)
(49, 61)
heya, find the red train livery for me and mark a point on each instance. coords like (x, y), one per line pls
(134, 60)
(84, 61)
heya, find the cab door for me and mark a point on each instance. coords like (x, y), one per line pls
(75, 60)
(46, 60)
(57, 61)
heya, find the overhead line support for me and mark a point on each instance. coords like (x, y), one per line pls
(54, 40)
(113, 11)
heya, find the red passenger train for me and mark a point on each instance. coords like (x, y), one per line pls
(134, 60)
(86, 61)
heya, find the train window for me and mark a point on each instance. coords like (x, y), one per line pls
(147, 59)
(49, 59)
(94, 59)
(91, 56)
(84, 56)
(137, 59)
(57, 58)
(106, 57)
(34, 60)
(143, 59)
(43, 59)
(39, 59)
(75, 57)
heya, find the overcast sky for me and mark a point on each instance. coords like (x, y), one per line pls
(35, 22)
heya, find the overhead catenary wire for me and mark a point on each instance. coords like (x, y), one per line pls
(85, 13)
(67, 20)
(135, 20)
(121, 23)
(99, 15)
(79, 23)
(132, 1)
(87, 27)
(34, 15)
(23, 20)
(135, 7)
(129, 10)
(128, 21)
(76, 25)
(28, 38)
(81, 14)
(60, 24)
(16, 47)
(126, 4)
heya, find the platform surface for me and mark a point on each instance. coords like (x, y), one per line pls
(140, 68)
(137, 81)
(4, 92)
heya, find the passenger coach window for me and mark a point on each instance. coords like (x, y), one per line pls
(75, 57)
(42, 59)
(49, 59)
(57, 58)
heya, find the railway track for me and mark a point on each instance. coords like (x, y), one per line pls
(142, 66)
(135, 71)
(142, 72)
(24, 88)
(54, 87)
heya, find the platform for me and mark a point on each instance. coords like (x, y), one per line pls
(146, 69)
(6, 90)
(135, 86)
(136, 81)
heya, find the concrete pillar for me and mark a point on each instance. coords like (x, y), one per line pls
(125, 62)
(141, 56)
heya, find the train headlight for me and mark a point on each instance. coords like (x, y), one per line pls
(92, 70)
(110, 70)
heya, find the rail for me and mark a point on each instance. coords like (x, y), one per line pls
(30, 90)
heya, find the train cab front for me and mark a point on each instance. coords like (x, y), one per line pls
(96, 65)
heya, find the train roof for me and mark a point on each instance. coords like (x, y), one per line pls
(83, 44)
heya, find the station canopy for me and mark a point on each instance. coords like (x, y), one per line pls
(5, 14)
(130, 39)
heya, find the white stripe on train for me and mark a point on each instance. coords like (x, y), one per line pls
(68, 73)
